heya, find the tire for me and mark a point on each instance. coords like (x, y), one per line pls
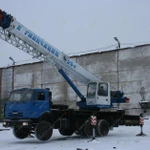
(102, 127)
(66, 132)
(21, 132)
(43, 131)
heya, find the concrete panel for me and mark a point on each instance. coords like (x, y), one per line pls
(131, 86)
(108, 76)
(97, 63)
(51, 76)
(135, 52)
(113, 86)
(101, 67)
(23, 80)
(47, 66)
(134, 59)
(134, 75)
(37, 78)
(6, 83)
(35, 67)
(28, 75)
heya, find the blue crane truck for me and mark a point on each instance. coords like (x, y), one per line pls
(31, 111)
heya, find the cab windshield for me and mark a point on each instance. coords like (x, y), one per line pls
(91, 91)
(23, 95)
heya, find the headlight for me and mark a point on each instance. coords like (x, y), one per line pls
(25, 123)
(4, 123)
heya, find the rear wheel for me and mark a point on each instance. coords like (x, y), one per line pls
(102, 127)
(21, 132)
(43, 131)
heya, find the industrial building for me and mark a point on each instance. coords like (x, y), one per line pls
(127, 69)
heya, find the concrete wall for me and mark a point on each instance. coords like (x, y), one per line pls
(134, 72)
(126, 69)
(6, 85)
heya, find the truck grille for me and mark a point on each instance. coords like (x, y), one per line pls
(15, 114)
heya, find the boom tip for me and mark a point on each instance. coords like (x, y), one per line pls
(5, 19)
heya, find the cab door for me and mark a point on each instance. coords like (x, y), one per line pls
(40, 103)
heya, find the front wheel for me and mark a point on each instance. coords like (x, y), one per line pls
(102, 127)
(43, 131)
(21, 132)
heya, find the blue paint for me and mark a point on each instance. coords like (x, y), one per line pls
(28, 109)
(19, 27)
(69, 62)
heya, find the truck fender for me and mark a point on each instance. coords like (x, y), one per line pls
(46, 116)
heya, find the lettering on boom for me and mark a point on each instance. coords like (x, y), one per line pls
(41, 43)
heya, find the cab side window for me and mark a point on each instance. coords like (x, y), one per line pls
(39, 96)
(103, 89)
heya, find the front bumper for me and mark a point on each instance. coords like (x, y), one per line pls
(12, 123)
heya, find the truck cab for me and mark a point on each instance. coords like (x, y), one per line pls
(26, 104)
(98, 93)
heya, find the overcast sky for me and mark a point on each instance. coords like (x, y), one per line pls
(79, 25)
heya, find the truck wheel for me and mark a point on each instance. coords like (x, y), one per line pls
(43, 131)
(102, 127)
(21, 132)
(88, 130)
(66, 132)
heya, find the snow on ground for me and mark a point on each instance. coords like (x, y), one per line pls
(121, 138)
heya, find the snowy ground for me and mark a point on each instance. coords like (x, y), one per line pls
(121, 138)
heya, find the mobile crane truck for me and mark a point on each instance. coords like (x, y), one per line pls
(30, 111)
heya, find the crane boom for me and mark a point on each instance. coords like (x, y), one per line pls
(19, 36)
